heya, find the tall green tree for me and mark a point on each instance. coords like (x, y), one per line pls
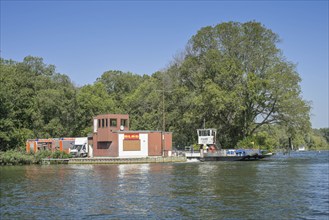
(119, 84)
(232, 75)
(36, 102)
(91, 101)
(144, 106)
(241, 81)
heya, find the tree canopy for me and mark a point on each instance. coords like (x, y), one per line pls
(232, 75)
(241, 81)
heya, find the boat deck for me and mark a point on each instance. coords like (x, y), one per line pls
(222, 156)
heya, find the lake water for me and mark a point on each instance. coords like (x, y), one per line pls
(281, 187)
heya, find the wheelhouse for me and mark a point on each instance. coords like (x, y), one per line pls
(207, 136)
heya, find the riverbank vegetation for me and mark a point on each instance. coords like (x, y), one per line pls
(231, 75)
(18, 157)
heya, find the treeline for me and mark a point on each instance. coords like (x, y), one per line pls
(232, 76)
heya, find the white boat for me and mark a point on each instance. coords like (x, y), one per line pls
(209, 151)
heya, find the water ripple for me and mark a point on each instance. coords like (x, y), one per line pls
(284, 187)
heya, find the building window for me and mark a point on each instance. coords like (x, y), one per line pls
(124, 122)
(104, 145)
(99, 123)
(106, 122)
(204, 132)
(113, 122)
(103, 123)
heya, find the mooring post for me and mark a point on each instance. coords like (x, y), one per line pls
(202, 151)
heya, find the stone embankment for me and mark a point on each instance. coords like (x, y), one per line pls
(113, 160)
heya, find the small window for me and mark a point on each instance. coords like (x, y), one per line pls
(124, 122)
(106, 122)
(104, 145)
(113, 122)
(203, 133)
(99, 123)
(103, 123)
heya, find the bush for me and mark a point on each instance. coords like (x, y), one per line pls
(42, 155)
(15, 157)
(248, 143)
(261, 140)
(60, 154)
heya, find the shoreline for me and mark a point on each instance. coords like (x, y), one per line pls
(114, 160)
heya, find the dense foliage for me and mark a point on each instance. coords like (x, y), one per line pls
(18, 157)
(231, 75)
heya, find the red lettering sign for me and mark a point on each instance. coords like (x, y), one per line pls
(131, 136)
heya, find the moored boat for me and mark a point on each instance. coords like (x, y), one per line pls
(209, 152)
(235, 155)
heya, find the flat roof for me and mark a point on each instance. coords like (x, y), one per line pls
(140, 131)
(111, 115)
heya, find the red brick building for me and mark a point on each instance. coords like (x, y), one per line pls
(112, 138)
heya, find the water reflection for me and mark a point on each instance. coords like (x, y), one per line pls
(214, 189)
(281, 188)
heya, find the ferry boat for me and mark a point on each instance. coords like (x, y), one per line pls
(209, 151)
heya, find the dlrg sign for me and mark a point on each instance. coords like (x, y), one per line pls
(131, 136)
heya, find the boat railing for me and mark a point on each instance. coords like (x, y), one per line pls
(223, 153)
(231, 152)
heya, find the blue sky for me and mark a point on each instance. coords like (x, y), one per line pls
(83, 39)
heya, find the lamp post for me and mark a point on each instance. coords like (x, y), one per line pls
(163, 122)
(163, 116)
(163, 125)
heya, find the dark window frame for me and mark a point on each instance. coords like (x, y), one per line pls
(124, 122)
(113, 122)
